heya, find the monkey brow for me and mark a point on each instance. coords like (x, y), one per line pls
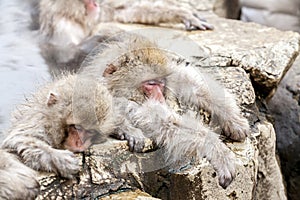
(75, 126)
(156, 80)
(94, 132)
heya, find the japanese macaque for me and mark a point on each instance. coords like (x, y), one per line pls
(145, 81)
(70, 28)
(63, 117)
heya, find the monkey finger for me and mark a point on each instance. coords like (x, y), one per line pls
(139, 145)
(131, 143)
(187, 24)
(202, 25)
(199, 17)
(118, 135)
(191, 25)
(135, 144)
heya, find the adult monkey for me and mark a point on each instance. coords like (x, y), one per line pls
(144, 81)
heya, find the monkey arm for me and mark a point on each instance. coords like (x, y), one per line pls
(125, 130)
(149, 12)
(39, 155)
(182, 137)
(192, 87)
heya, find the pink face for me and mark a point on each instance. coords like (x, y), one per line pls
(154, 89)
(92, 9)
(78, 139)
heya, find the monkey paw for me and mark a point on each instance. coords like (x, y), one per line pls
(226, 170)
(225, 177)
(237, 128)
(136, 144)
(193, 22)
(65, 163)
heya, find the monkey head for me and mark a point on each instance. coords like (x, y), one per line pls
(84, 110)
(69, 21)
(132, 73)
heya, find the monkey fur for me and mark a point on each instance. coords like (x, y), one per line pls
(17, 181)
(63, 117)
(70, 29)
(133, 68)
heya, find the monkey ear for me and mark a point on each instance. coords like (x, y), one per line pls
(52, 99)
(110, 69)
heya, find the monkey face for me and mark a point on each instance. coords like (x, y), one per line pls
(79, 139)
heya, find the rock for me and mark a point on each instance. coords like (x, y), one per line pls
(110, 168)
(135, 195)
(285, 109)
(247, 58)
(230, 42)
(228, 45)
(270, 182)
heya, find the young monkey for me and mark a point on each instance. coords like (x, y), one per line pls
(63, 117)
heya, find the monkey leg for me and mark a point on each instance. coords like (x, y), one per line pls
(39, 155)
(148, 12)
(182, 137)
(206, 93)
(181, 142)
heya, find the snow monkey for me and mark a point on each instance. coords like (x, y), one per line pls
(145, 81)
(70, 28)
(63, 117)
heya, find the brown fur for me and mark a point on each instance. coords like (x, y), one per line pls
(39, 126)
(69, 33)
(17, 181)
(135, 61)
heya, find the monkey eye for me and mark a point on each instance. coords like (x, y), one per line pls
(93, 132)
(77, 127)
(152, 82)
(156, 82)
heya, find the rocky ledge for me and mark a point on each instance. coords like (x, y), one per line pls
(250, 60)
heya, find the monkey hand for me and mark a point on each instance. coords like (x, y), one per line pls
(137, 142)
(193, 22)
(65, 163)
(226, 175)
(236, 128)
(128, 129)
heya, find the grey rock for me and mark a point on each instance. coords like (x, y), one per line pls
(246, 58)
(285, 109)
(270, 181)
(110, 168)
(265, 53)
